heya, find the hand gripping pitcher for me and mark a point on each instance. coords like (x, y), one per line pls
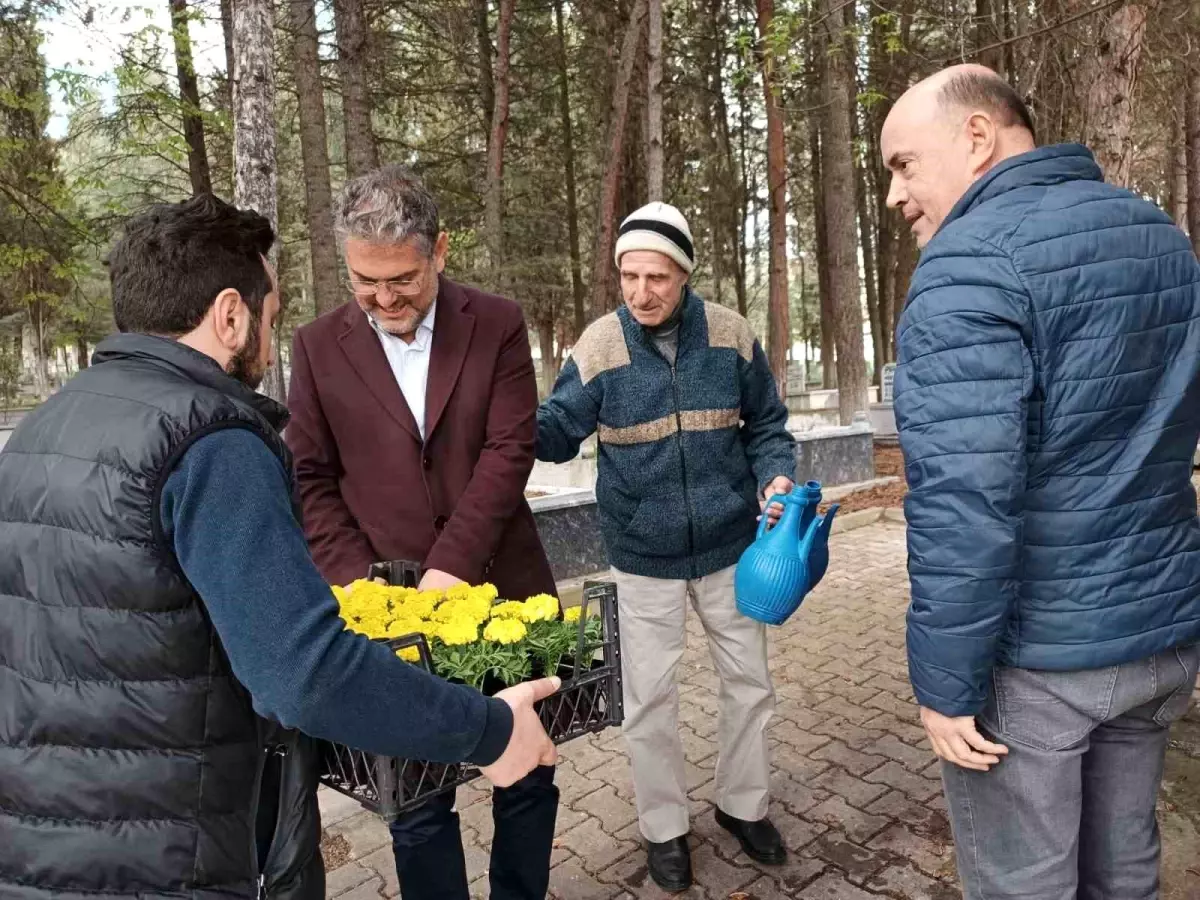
(787, 560)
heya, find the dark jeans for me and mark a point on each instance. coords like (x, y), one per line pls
(1069, 813)
(429, 851)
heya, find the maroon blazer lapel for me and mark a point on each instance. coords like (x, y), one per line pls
(452, 329)
(361, 345)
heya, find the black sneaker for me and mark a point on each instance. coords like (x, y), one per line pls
(760, 840)
(670, 864)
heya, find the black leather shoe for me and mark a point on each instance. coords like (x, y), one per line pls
(760, 840)
(670, 864)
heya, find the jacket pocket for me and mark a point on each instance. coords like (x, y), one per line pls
(722, 515)
(1051, 710)
(659, 527)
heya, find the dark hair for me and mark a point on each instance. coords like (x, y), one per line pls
(978, 90)
(175, 258)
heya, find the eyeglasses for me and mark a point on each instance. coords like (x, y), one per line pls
(397, 287)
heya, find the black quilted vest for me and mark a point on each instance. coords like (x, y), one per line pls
(129, 754)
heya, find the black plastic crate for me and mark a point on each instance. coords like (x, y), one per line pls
(588, 702)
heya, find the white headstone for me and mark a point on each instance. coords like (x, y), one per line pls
(889, 378)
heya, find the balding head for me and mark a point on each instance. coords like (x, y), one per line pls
(944, 134)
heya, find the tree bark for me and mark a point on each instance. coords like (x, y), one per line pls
(837, 176)
(483, 44)
(602, 300)
(353, 52)
(227, 34)
(189, 100)
(310, 96)
(82, 358)
(494, 198)
(902, 272)
(1177, 166)
(568, 139)
(866, 231)
(545, 331)
(778, 305)
(1192, 126)
(254, 128)
(654, 102)
(987, 34)
(1108, 82)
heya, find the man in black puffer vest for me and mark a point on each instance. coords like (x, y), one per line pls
(156, 591)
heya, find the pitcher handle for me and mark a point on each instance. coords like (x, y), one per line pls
(763, 520)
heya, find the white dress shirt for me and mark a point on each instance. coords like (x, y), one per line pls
(410, 363)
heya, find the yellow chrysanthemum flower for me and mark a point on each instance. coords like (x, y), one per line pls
(339, 593)
(541, 608)
(459, 591)
(457, 632)
(508, 610)
(486, 592)
(504, 631)
(572, 615)
(409, 654)
(404, 626)
(417, 606)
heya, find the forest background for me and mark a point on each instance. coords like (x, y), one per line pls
(540, 124)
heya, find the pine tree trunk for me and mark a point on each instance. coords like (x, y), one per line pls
(545, 331)
(487, 85)
(654, 102)
(603, 299)
(310, 97)
(353, 52)
(82, 357)
(744, 194)
(904, 265)
(494, 197)
(1108, 84)
(254, 127)
(1192, 127)
(1176, 174)
(778, 305)
(866, 232)
(227, 33)
(987, 34)
(568, 139)
(837, 176)
(189, 100)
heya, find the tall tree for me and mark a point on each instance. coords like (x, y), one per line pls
(778, 301)
(353, 41)
(255, 175)
(494, 198)
(568, 145)
(189, 100)
(654, 101)
(837, 176)
(1192, 128)
(310, 99)
(602, 300)
(487, 84)
(988, 29)
(1109, 76)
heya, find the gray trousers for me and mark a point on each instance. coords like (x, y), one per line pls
(1069, 813)
(653, 613)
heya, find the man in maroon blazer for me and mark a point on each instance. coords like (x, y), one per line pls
(413, 428)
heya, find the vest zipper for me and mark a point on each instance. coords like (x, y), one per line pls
(687, 501)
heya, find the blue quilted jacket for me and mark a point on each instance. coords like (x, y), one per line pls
(684, 450)
(1048, 401)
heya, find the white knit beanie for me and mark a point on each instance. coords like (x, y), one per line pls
(660, 227)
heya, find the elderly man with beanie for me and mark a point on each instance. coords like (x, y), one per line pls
(692, 435)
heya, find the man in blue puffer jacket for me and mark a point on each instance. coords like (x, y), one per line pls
(1048, 401)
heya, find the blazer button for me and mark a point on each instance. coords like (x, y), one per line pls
(427, 462)
(439, 524)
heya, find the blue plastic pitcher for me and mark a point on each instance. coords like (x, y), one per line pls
(786, 560)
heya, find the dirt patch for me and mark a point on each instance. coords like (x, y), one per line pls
(889, 462)
(335, 850)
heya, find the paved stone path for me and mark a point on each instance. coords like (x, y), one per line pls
(856, 792)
